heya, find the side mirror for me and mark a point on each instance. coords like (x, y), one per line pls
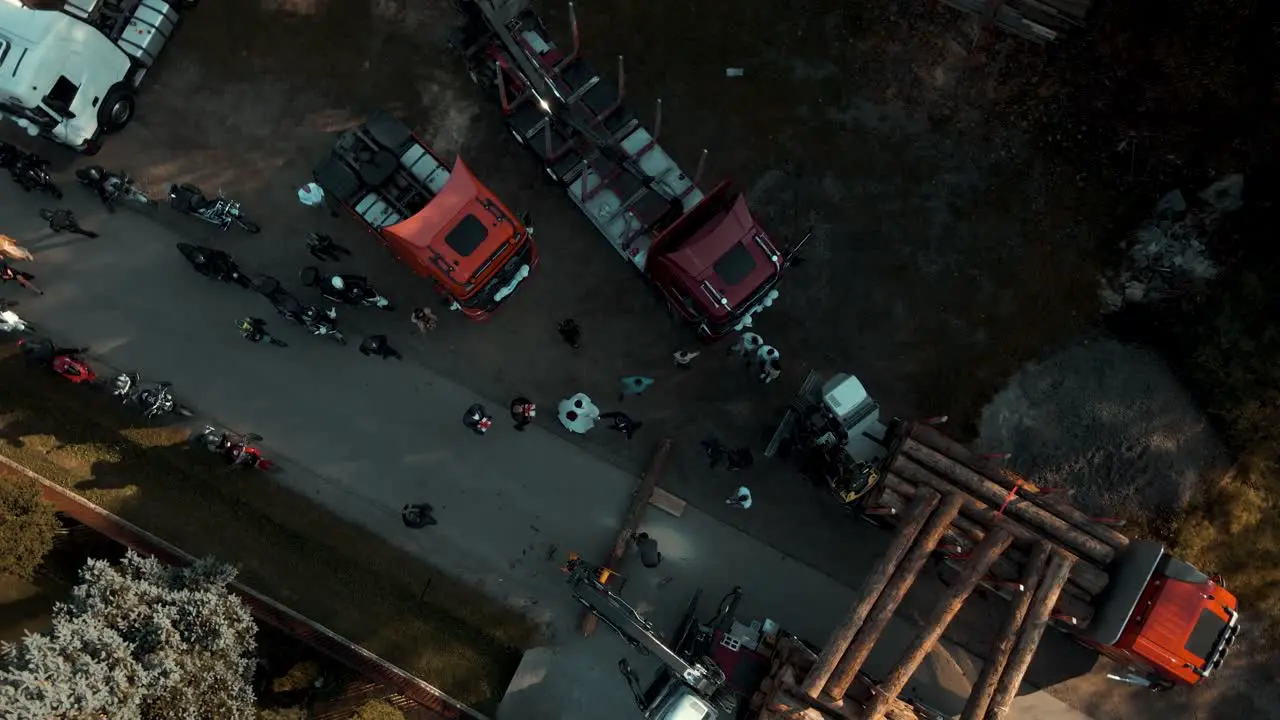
(793, 253)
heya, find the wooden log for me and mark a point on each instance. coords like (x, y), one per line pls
(891, 596)
(1033, 628)
(1087, 576)
(930, 437)
(912, 521)
(1054, 527)
(937, 621)
(985, 686)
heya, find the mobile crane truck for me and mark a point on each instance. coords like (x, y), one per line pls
(70, 69)
(712, 262)
(442, 223)
(1163, 620)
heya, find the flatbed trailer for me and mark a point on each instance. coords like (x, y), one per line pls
(441, 222)
(714, 264)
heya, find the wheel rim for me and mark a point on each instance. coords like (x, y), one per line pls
(121, 112)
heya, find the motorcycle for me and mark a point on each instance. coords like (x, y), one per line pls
(9, 320)
(214, 264)
(233, 447)
(153, 401)
(220, 211)
(30, 171)
(343, 288)
(112, 186)
(66, 362)
(322, 323)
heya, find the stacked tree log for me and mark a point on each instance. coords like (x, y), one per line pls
(1039, 21)
(780, 697)
(924, 459)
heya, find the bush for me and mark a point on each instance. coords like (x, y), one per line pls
(27, 527)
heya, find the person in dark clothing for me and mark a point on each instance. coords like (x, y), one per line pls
(622, 422)
(477, 419)
(523, 411)
(740, 459)
(65, 221)
(255, 331)
(23, 278)
(570, 332)
(648, 547)
(322, 247)
(714, 450)
(418, 516)
(378, 345)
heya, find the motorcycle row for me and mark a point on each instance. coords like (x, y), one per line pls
(31, 172)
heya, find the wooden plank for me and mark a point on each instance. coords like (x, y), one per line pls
(667, 502)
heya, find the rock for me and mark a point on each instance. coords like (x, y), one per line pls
(1227, 194)
(1171, 205)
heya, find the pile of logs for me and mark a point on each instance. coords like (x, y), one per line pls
(995, 498)
(780, 698)
(1039, 21)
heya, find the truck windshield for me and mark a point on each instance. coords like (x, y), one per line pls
(735, 266)
(466, 236)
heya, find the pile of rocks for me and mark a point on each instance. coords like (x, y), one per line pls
(1169, 255)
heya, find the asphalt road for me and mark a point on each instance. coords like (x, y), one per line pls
(364, 436)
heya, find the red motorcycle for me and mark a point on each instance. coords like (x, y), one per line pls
(66, 362)
(233, 447)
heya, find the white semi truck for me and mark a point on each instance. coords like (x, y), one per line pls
(70, 69)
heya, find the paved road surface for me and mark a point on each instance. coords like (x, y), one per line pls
(365, 436)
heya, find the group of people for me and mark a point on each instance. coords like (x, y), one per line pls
(764, 360)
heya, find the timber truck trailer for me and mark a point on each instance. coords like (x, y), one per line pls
(713, 263)
(443, 223)
(1163, 620)
(70, 69)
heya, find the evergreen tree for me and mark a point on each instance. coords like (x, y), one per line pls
(27, 527)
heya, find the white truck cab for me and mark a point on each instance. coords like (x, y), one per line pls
(69, 69)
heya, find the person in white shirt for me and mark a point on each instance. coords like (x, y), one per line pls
(741, 498)
(747, 345)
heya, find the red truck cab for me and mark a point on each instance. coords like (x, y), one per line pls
(715, 265)
(1168, 623)
(442, 223)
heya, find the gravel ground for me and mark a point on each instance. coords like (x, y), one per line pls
(1109, 421)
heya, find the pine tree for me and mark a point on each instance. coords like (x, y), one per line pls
(138, 641)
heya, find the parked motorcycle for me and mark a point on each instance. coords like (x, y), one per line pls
(153, 401)
(344, 288)
(214, 264)
(9, 320)
(233, 447)
(66, 362)
(220, 211)
(112, 186)
(31, 172)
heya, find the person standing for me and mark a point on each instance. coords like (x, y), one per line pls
(684, 358)
(746, 346)
(770, 371)
(570, 332)
(715, 452)
(378, 345)
(418, 516)
(740, 499)
(634, 385)
(65, 221)
(622, 422)
(424, 320)
(523, 411)
(648, 547)
(740, 459)
(323, 248)
(578, 414)
(477, 419)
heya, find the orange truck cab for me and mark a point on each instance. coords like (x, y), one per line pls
(443, 223)
(1166, 622)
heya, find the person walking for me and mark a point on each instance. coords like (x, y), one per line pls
(570, 332)
(477, 419)
(578, 414)
(523, 411)
(378, 345)
(418, 516)
(683, 358)
(634, 385)
(325, 248)
(746, 346)
(648, 547)
(11, 249)
(424, 320)
(770, 372)
(65, 221)
(622, 422)
(740, 499)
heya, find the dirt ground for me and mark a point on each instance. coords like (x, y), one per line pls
(949, 249)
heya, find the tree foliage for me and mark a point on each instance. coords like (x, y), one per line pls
(27, 527)
(138, 641)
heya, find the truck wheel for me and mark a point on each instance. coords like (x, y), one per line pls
(117, 109)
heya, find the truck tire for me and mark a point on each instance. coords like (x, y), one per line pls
(117, 108)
